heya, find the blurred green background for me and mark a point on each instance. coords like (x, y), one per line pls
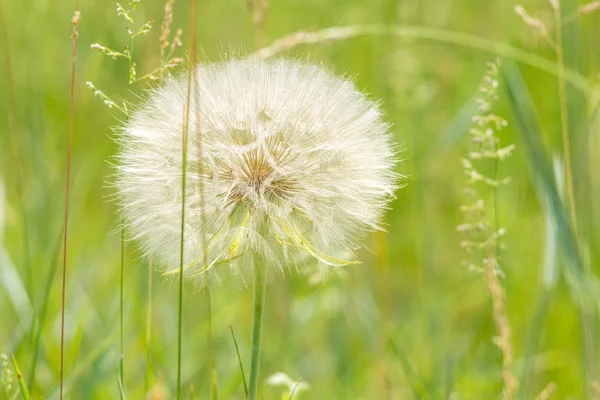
(409, 322)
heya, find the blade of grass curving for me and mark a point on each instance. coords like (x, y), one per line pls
(417, 386)
(565, 119)
(550, 275)
(22, 385)
(423, 32)
(293, 391)
(44, 310)
(75, 22)
(524, 114)
(120, 384)
(455, 130)
(239, 357)
(583, 286)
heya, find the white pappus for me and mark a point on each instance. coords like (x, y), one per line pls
(294, 164)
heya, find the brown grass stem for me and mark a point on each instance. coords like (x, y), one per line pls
(75, 22)
(503, 338)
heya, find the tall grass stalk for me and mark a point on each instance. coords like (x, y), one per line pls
(121, 308)
(75, 22)
(481, 222)
(184, 146)
(257, 317)
(148, 328)
(206, 277)
(184, 143)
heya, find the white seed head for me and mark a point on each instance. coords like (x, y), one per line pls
(285, 160)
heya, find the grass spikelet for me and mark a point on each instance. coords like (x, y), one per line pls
(481, 222)
(165, 28)
(589, 8)
(548, 392)
(534, 23)
(6, 377)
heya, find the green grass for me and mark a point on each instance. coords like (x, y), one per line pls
(410, 321)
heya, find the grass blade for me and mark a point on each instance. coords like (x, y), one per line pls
(416, 384)
(120, 383)
(524, 114)
(583, 286)
(239, 357)
(22, 385)
(456, 129)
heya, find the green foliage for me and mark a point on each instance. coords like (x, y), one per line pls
(408, 322)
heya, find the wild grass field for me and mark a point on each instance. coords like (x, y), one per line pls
(483, 284)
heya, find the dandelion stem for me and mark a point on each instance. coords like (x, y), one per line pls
(257, 317)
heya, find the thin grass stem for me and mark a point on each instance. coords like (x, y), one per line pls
(184, 146)
(207, 296)
(257, 317)
(182, 249)
(121, 369)
(241, 364)
(75, 22)
(148, 328)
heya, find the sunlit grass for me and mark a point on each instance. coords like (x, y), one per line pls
(411, 321)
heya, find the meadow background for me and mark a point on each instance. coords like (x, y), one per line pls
(411, 321)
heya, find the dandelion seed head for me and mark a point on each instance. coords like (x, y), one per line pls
(293, 163)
